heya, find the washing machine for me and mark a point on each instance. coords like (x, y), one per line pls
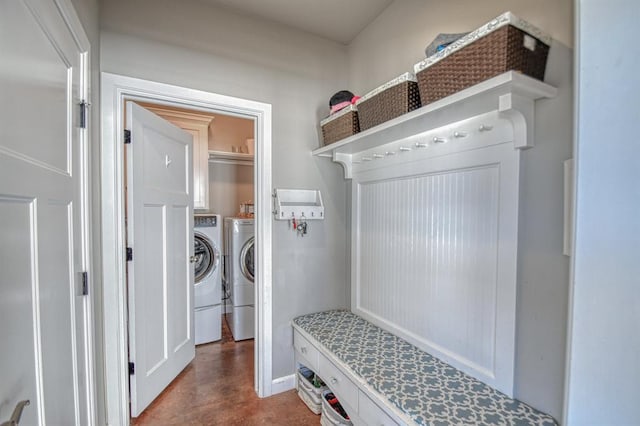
(239, 276)
(207, 240)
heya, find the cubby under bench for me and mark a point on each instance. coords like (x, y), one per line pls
(381, 379)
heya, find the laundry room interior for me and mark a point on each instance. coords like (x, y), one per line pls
(231, 192)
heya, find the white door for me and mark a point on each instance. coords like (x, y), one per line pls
(160, 233)
(44, 343)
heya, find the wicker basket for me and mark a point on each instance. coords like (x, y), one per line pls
(340, 125)
(506, 43)
(388, 101)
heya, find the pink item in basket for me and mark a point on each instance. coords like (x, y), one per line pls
(340, 100)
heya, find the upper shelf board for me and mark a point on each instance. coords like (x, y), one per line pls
(482, 97)
(235, 158)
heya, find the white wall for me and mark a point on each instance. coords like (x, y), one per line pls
(227, 131)
(390, 46)
(397, 38)
(229, 186)
(543, 271)
(604, 353)
(196, 45)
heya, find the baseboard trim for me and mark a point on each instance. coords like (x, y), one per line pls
(283, 384)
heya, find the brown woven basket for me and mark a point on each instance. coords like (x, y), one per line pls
(344, 125)
(388, 104)
(499, 51)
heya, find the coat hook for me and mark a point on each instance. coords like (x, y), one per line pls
(404, 149)
(378, 156)
(388, 153)
(439, 140)
(485, 127)
(421, 145)
(460, 134)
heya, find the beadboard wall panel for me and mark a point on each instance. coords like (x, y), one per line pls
(435, 258)
(429, 258)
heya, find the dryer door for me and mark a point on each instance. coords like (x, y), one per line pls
(207, 257)
(247, 259)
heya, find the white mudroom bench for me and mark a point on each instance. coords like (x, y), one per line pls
(381, 379)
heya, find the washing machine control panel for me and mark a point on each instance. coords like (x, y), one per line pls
(205, 221)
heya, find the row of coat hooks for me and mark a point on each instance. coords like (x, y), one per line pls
(422, 145)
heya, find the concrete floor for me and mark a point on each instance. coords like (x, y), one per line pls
(217, 389)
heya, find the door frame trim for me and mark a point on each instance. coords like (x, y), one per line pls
(115, 90)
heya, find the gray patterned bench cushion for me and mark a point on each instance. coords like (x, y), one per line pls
(427, 390)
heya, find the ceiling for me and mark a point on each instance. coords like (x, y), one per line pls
(337, 20)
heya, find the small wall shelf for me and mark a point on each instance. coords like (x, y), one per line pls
(298, 203)
(235, 158)
(511, 94)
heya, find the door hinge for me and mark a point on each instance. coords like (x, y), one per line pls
(129, 254)
(127, 136)
(132, 368)
(85, 283)
(84, 108)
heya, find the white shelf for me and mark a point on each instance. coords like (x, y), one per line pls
(298, 203)
(507, 93)
(235, 158)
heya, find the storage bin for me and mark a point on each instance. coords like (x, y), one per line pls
(388, 101)
(316, 408)
(504, 44)
(331, 417)
(308, 392)
(340, 125)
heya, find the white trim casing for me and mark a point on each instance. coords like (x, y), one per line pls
(70, 16)
(574, 201)
(115, 90)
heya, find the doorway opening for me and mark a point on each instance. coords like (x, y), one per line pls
(116, 90)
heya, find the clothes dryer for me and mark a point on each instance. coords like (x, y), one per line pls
(207, 240)
(239, 276)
